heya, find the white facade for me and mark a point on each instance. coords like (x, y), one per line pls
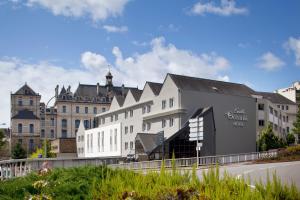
(104, 141)
(292, 93)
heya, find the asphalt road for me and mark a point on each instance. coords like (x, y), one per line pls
(288, 172)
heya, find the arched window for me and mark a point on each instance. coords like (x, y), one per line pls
(31, 128)
(20, 128)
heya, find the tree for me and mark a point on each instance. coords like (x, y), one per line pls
(296, 124)
(41, 151)
(290, 139)
(268, 140)
(18, 152)
(2, 142)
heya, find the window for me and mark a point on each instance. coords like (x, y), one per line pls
(126, 145)
(282, 107)
(110, 139)
(31, 102)
(283, 118)
(111, 118)
(163, 104)
(64, 109)
(278, 106)
(116, 117)
(64, 123)
(103, 120)
(95, 110)
(88, 142)
(131, 145)
(98, 141)
(126, 114)
(283, 131)
(116, 137)
(261, 122)
(287, 118)
(163, 123)
(126, 129)
(77, 122)
(271, 110)
(148, 108)
(131, 113)
(86, 110)
(86, 124)
(52, 133)
(77, 109)
(31, 145)
(103, 109)
(91, 140)
(42, 133)
(20, 127)
(171, 102)
(131, 129)
(31, 128)
(287, 107)
(287, 129)
(78, 138)
(171, 123)
(20, 141)
(148, 126)
(275, 127)
(275, 113)
(102, 141)
(20, 102)
(261, 106)
(144, 126)
(52, 122)
(64, 133)
(143, 110)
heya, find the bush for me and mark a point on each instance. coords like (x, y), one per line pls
(290, 139)
(18, 152)
(269, 141)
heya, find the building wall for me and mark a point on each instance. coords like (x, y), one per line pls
(71, 115)
(292, 93)
(230, 137)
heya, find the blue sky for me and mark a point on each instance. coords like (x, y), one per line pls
(49, 42)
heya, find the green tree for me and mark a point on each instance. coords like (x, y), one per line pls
(296, 124)
(2, 142)
(18, 152)
(290, 139)
(41, 151)
(268, 140)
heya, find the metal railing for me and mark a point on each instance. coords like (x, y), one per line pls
(21, 167)
(203, 161)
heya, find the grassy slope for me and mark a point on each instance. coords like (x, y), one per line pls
(103, 183)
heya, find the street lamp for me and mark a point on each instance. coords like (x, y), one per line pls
(45, 136)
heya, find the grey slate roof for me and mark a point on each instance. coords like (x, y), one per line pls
(120, 99)
(276, 98)
(207, 85)
(25, 114)
(149, 141)
(136, 93)
(155, 87)
(26, 90)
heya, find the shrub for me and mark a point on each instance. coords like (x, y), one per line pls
(290, 139)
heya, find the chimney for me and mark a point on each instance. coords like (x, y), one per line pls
(98, 89)
(123, 90)
(56, 91)
(69, 89)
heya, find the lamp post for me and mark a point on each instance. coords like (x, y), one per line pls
(45, 136)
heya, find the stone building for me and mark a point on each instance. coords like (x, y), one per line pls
(25, 118)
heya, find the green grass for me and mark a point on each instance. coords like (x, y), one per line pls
(104, 183)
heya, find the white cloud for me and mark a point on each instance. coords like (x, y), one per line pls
(226, 8)
(134, 70)
(293, 44)
(93, 61)
(270, 62)
(95, 9)
(141, 44)
(115, 29)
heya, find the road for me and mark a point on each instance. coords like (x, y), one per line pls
(288, 172)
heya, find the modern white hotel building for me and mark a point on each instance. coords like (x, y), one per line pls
(136, 125)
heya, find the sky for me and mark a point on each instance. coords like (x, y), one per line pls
(66, 42)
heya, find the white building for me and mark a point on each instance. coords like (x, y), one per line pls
(292, 93)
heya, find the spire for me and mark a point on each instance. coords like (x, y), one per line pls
(109, 83)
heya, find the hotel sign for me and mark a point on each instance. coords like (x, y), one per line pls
(238, 117)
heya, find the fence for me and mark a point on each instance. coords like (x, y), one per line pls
(21, 167)
(189, 162)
